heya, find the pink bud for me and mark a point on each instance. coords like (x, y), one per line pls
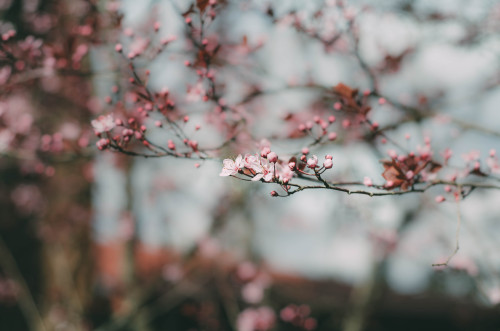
(392, 153)
(188, 20)
(193, 144)
(171, 145)
(187, 63)
(197, 127)
(291, 165)
(303, 158)
(328, 164)
(118, 122)
(186, 119)
(337, 106)
(274, 193)
(331, 119)
(492, 153)
(367, 181)
(265, 151)
(407, 136)
(316, 119)
(312, 162)
(302, 127)
(329, 157)
(272, 157)
(346, 123)
(156, 26)
(305, 150)
(440, 199)
(332, 136)
(158, 124)
(119, 48)
(382, 101)
(196, 165)
(410, 174)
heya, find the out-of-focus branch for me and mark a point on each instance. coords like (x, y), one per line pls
(26, 300)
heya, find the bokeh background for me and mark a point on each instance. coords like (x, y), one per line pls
(102, 241)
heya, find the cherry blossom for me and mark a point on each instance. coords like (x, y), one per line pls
(103, 123)
(231, 167)
(265, 172)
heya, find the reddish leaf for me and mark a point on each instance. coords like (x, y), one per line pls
(202, 4)
(345, 91)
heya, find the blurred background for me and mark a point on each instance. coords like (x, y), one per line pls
(95, 240)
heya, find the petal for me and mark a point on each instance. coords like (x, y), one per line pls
(257, 177)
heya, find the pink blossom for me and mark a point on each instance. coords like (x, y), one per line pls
(253, 292)
(253, 319)
(232, 167)
(264, 151)
(103, 123)
(272, 157)
(102, 143)
(246, 271)
(493, 164)
(328, 164)
(287, 314)
(367, 181)
(252, 162)
(392, 154)
(471, 156)
(285, 174)
(440, 199)
(265, 172)
(312, 162)
(447, 154)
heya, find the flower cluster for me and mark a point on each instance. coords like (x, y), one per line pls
(103, 124)
(258, 168)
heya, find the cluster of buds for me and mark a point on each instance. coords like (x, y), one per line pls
(268, 168)
(257, 167)
(298, 316)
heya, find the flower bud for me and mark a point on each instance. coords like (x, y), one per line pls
(440, 199)
(272, 157)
